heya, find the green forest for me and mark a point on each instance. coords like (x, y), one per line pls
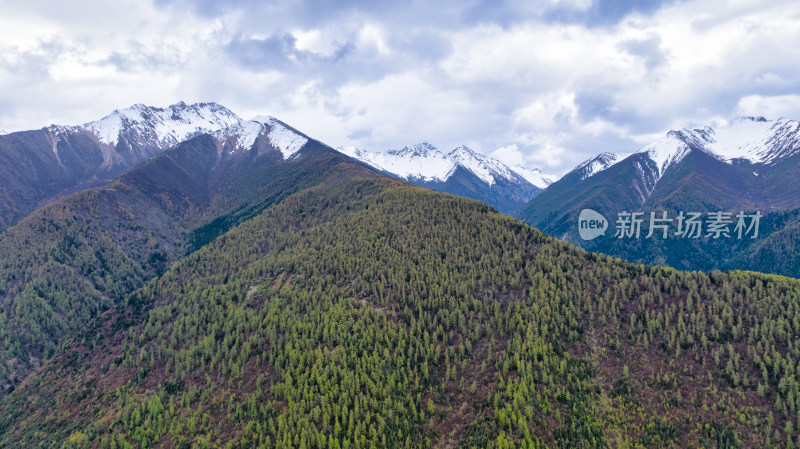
(78, 256)
(373, 314)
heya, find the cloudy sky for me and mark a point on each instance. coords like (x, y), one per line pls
(544, 83)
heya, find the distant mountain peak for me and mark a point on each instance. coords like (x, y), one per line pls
(423, 149)
(263, 119)
(598, 163)
(754, 139)
(739, 164)
(535, 176)
(674, 146)
(242, 135)
(148, 130)
(161, 127)
(463, 149)
(425, 162)
(285, 138)
(747, 118)
(461, 171)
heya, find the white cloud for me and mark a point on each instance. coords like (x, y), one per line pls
(320, 42)
(546, 92)
(770, 107)
(509, 155)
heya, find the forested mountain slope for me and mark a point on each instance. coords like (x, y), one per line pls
(369, 313)
(80, 255)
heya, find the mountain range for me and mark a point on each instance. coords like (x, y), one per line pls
(79, 254)
(41, 165)
(250, 286)
(742, 167)
(462, 172)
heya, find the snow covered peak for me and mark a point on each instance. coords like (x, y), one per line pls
(535, 176)
(263, 119)
(464, 151)
(354, 152)
(746, 118)
(671, 149)
(599, 163)
(240, 136)
(755, 139)
(161, 127)
(422, 150)
(282, 137)
(424, 162)
(420, 162)
(482, 166)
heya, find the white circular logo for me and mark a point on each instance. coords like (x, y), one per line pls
(591, 224)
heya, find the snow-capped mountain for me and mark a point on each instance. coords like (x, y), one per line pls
(161, 127)
(534, 176)
(129, 136)
(743, 165)
(751, 140)
(240, 136)
(426, 163)
(151, 130)
(243, 135)
(144, 131)
(461, 171)
(754, 140)
(746, 166)
(423, 162)
(599, 163)
(57, 160)
(282, 136)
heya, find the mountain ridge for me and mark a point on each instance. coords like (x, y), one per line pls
(461, 171)
(742, 166)
(39, 166)
(754, 140)
(99, 244)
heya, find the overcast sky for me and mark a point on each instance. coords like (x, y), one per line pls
(543, 83)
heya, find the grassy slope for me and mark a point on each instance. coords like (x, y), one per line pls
(374, 314)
